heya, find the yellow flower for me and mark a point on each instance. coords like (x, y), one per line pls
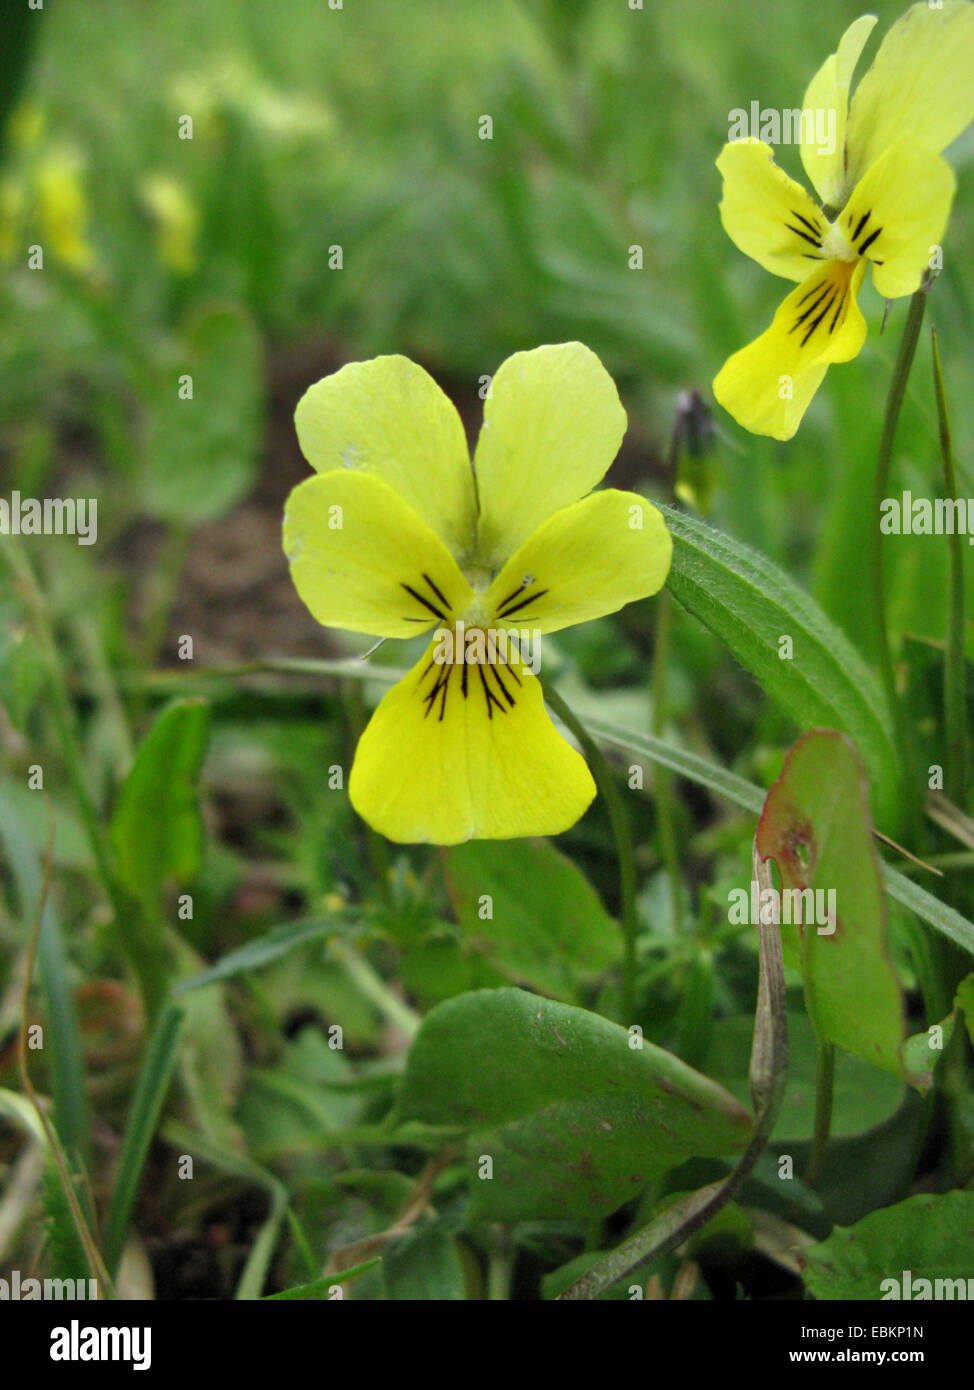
(63, 209)
(885, 198)
(397, 535)
(175, 219)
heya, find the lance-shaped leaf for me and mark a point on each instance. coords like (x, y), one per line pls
(750, 604)
(157, 829)
(815, 826)
(575, 1113)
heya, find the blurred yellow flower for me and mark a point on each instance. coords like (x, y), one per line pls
(62, 208)
(885, 197)
(175, 221)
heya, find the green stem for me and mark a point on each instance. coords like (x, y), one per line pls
(375, 989)
(606, 784)
(664, 783)
(768, 1076)
(355, 668)
(824, 1087)
(955, 694)
(376, 845)
(894, 402)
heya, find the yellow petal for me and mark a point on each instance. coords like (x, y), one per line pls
(766, 214)
(465, 751)
(897, 215)
(920, 84)
(388, 418)
(552, 425)
(362, 559)
(587, 560)
(825, 113)
(769, 384)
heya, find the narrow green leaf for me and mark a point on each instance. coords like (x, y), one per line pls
(321, 1288)
(150, 1093)
(157, 829)
(277, 942)
(750, 604)
(72, 1119)
(575, 1115)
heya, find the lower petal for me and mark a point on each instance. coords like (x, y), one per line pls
(460, 751)
(769, 384)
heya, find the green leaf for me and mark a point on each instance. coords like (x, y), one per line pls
(922, 1051)
(424, 1266)
(531, 913)
(72, 1119)
(21, 666)
(862, 1098)
(150, 1093)
(201, 454)
(320, 1289)
(575, 1118)
(750, 604)
(749, 797)
(926, 1238)
(211, 1057)
(274, 944)
(964, 1000)
(157, 829)
(815, 826)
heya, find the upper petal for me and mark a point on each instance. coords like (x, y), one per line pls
(825, 112)
(765, 213)
(897, 214)
(462, 752)
(361, 558)
(769, 384)
(587, 560)
(920, 84)
(553, 423)
(389, 418)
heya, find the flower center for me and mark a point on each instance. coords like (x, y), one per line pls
(469, 661)
(836, 246)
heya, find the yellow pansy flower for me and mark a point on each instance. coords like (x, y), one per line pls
(885, 198)
(398, 535)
